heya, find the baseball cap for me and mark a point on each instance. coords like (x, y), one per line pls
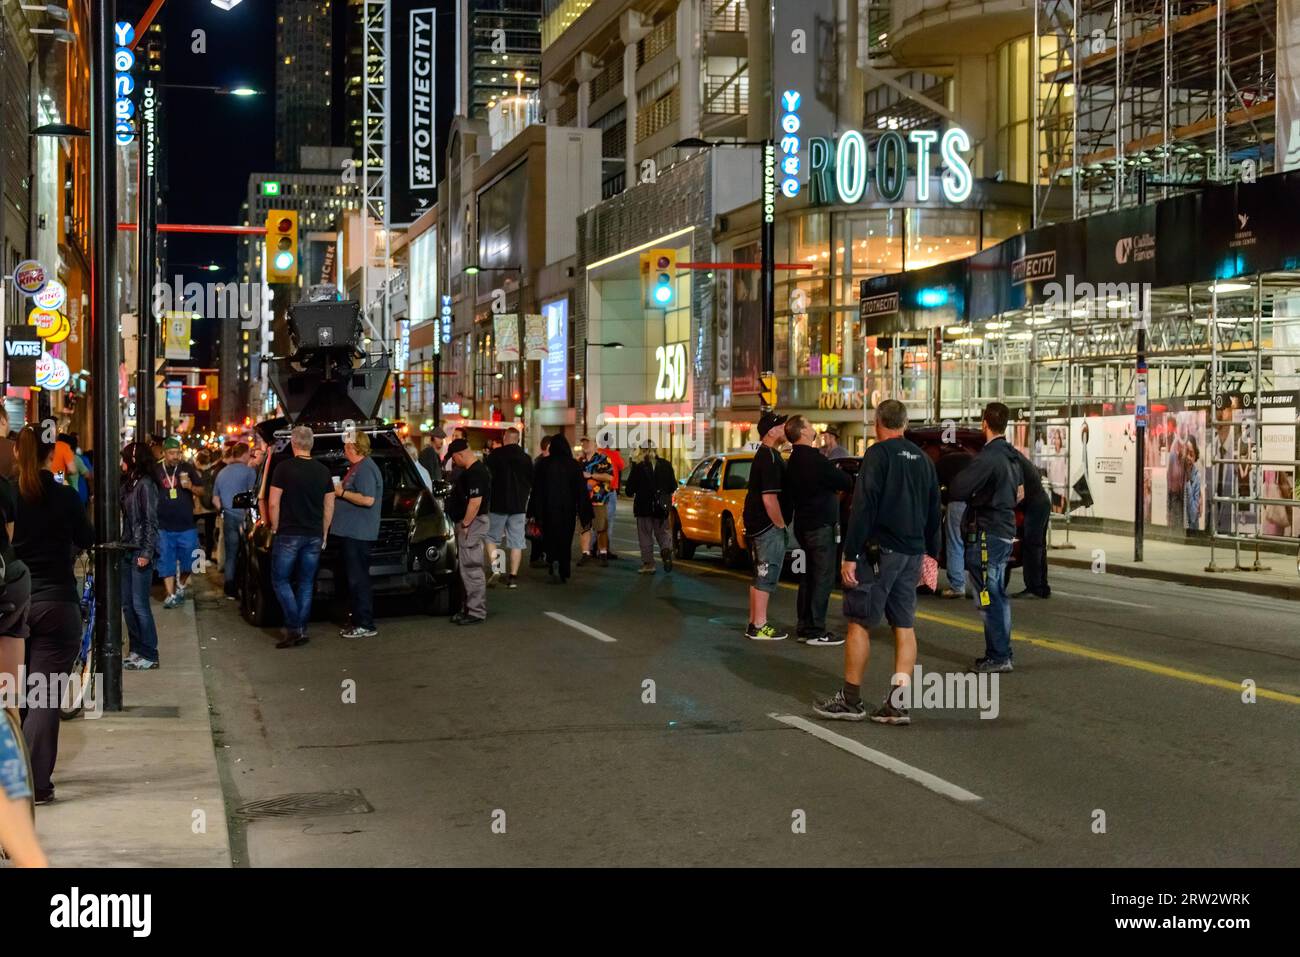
(770, 420)
(457, 445)
(172, 443)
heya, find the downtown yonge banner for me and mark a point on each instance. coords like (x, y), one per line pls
(1219, 233)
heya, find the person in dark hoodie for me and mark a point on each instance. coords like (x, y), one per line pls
(140, 494)
(814, 483)
(559, 499)
(990, 486)
(651, 484)
(1033, 549)
(49, 529)
(512, 482)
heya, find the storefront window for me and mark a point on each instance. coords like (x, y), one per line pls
(868, 243)
(935, 236)
(1013, 110)
(1001, 224)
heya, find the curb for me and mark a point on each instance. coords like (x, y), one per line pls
(1268, 589)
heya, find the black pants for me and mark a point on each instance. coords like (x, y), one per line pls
(1033, 550)
(51, 649)
(818, 545)
(356, 580)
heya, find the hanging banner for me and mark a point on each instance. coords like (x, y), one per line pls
(535, 339)
(506, 329)
(22, 351)
(1288, 86)
(805, 91)
(177, 325)
(422, 73)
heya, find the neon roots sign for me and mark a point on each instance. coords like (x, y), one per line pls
(846, 170)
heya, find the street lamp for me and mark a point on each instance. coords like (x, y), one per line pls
(586, 348)
(49, 9)
(473, 269)
(59, 129)
(62, 36)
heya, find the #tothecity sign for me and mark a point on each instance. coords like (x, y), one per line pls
(421, 100)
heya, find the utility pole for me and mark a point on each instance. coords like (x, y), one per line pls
(145, 240)
(105, 335)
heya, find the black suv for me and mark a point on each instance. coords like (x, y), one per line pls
(416, 550)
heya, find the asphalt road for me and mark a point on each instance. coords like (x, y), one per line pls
(1121, 739)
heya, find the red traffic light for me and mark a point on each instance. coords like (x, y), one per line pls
(663, 262)
(285, 224)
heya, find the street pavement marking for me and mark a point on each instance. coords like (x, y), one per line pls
(1109, 601)
(585, 629)
(924, 778)
(1066, 647)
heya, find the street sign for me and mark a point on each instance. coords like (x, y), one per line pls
(270, 188)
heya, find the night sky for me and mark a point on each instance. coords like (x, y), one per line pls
(211, 142)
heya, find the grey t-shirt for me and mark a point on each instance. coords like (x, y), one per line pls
(353, 521)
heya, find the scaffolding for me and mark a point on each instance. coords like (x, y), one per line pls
(1143, 99)
(375, 303)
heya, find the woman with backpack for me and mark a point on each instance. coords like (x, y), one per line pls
(651, 484)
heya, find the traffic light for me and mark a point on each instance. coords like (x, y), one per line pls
(203, 400)
(659, 278)
(769, 390)
(281, 246)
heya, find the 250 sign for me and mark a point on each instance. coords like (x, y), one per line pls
(671, 384)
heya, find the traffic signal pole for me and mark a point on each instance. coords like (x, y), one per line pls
(105, 337)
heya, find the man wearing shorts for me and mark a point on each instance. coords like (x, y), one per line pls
(765, 516)
(894, 523)
(512, 482)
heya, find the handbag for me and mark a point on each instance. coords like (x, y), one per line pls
(533, 529)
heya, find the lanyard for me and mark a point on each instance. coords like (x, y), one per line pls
(171, 477)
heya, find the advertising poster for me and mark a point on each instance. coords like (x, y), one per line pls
(746, 324)
(1175, 467)
(506, 328)
(1103, 464)
(535, 345)
(555, 364)
(421, 102)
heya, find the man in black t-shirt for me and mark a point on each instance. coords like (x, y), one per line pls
(301, 507)
(765, 519)
(471, 491)
(178, 535)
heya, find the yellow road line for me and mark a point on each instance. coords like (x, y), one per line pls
(1065, 647)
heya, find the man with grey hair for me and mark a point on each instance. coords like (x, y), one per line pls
(893, 524)
(301, 507)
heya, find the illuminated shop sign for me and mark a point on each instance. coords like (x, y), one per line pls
(444, 333)
(790, 101)
(769, 183)
(123, 83)
(846, 170)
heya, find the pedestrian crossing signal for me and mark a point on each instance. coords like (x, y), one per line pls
(659, 278)
(769, 390)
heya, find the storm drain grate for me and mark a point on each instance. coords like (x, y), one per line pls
(307, 804)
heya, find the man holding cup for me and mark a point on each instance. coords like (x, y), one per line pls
(178, 535)
(356, 528)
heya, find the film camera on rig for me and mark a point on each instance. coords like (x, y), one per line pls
(328, 376)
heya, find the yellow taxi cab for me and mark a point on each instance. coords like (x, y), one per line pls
(708, 507)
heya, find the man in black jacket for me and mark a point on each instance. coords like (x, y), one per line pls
(814, 484)
(990, 486)
(1033, 547)
(512, 481)
(893, 525)
(651, 484)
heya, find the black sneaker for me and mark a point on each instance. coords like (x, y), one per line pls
(358, 632)
(667, 555)
(889, 712)
(764, 633)
(466, 620)
(992, 666)
(824, 640)
(837, 708)
(511, 581)
(582, 559)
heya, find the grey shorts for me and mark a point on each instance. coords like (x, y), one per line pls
(768, 551)
(509, 526)
(889, 596)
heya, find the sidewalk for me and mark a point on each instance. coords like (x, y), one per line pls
(1180, 562)
(127, 785)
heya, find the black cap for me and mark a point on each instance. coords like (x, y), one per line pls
(770, 420)
(457, 445)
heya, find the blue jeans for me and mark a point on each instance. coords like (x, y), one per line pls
(142, 633)
(997, 616)
(955, 548)
(294, 560)
(230, 525)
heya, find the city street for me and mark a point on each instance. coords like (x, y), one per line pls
(1126, 699)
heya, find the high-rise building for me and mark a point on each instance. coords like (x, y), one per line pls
(502, 52)
(304, 70)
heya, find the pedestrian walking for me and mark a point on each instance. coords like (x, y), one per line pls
(301, 504)
(559, 501)
(651, 484)
(598, 470)
(15, 604)
(431, 455)
(356, 529)
(893, 524)
(512, 483)
(989, 486)
(178, 534)
(950, 463)
(66, 465)
(1033, 547)
(765, 515)
(140, 536)
(815, 485)
(50, 529)
(236, 477)
(538, 557)
(465, 506)
(617, 466)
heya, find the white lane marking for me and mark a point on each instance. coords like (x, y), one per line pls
(1109, 601)
(924, 778)
(585, 629)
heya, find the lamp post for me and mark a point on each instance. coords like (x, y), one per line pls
(767, 235)
(587, 346)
